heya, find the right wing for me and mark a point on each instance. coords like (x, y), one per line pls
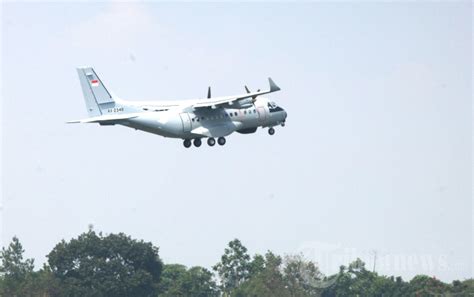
(229, 100)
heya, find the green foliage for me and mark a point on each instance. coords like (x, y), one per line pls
(272, 276)
(302, 277)
(356, 280)
(16, 271)
(113, 265)
(426, 286)
(13, 265)
(171, 275)
(41, 283)
(267, 282)
(116, 266)
(234, 267)
(466, 287)
(177, 281)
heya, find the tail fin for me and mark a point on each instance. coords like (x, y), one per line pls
(96, 95)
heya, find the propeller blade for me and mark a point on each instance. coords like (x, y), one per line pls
(254, 98)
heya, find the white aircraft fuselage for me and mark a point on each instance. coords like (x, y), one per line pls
(190, 120)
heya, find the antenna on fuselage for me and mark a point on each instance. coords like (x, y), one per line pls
(209, 92)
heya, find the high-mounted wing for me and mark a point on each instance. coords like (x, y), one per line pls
(229, 100)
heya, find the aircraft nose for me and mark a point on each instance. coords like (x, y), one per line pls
(284, 115)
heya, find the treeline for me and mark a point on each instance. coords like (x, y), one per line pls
(116, 265)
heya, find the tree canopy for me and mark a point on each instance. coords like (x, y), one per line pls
(116, 265)
(112, 265)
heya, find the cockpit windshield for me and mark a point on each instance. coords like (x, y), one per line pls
(273, 107)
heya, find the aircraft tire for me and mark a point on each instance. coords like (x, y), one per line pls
(187, 143)
(271, 131)
(197, 142)
(221, 140)
(211, 141)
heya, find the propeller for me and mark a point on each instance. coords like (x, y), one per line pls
(254, 98)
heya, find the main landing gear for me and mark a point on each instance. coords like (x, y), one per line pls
(197, 142)
(221, 140)
(211, 141)
(271, 131)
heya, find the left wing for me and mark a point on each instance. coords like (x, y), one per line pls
(229, 100)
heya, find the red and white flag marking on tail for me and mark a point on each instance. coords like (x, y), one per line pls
(93, 81)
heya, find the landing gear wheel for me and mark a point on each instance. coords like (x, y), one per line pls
(197, 142)
(271, 131)
(187, 143)
(211, 141)
(221, 140)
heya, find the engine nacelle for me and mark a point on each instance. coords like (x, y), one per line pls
(244, 103)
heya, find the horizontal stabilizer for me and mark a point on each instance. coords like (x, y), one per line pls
(105, 118)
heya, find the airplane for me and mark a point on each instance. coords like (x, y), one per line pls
(189, 120)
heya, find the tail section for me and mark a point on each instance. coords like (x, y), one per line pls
(95, 93)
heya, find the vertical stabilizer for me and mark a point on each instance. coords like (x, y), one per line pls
(96, 95)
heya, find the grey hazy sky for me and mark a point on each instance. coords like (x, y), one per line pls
(376, 154)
